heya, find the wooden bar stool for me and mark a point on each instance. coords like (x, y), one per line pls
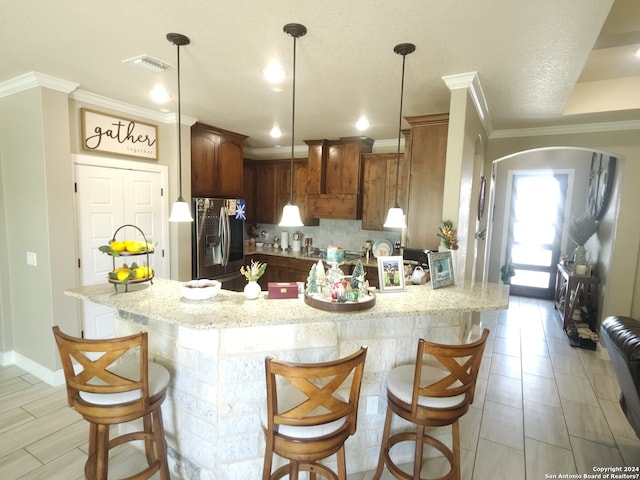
(431, 396)
(108, 387)
(306, 418)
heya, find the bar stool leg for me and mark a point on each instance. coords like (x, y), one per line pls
(456, 450)
(342, 465)
(417, 460)
(383, 445)
(161, 443)
(102, 451)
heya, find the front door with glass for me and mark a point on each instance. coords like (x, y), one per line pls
(535, 232)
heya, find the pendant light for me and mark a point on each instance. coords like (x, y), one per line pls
(291, 212)
(180, 212)
(395, 216)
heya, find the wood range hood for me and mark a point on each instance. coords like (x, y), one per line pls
(335, 173)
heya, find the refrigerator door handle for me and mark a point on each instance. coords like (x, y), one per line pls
(225, 231)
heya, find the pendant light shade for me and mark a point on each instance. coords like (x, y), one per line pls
(180, 212)
(395, 216)
(291, 212)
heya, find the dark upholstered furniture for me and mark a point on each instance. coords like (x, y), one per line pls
(621, 336)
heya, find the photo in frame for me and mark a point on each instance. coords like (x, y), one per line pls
(441, 269)
(391, 274)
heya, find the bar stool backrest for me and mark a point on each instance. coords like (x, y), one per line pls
(97, 373)
(461, 364)
(317, 385)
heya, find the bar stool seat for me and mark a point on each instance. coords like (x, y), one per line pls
(110, 382)
(310, 412)
(430, 395)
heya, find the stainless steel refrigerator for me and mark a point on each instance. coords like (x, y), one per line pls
(218, 241)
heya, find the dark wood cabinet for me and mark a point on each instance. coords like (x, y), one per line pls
(281, 269)
(379, 187)
(427, 151)
(267, 188)
(335, 177)
(216, 162)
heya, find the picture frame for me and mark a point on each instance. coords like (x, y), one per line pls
(118, 135)
(391, 274)
(441, 269)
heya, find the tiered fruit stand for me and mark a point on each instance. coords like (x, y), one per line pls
(145, 251)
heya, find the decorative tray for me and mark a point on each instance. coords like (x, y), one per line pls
(364, 303)
(130, 281)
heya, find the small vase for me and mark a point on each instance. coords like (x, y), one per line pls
(252, 290)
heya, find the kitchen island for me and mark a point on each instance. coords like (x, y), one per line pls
(215, 350)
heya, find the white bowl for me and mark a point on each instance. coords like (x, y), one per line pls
(200, 289)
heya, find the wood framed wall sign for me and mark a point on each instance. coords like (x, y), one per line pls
(122, 136)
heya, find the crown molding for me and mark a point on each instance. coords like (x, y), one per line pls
(567, 129)
(471, 82)
(129, 109)
(31, 80)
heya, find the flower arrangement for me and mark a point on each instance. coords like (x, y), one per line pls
(253, 272)
(448, 235)
(253, 230)
(582, 228)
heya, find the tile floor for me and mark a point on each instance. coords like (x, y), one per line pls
(542, 408)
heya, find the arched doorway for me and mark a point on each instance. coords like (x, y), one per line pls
(553, 184)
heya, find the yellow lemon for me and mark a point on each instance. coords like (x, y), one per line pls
(117, 246)
(123, 274)
(132, 246)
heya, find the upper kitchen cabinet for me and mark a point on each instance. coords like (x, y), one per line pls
(427, 150)
(379, 187)
(267, 186)
(335, 177)
(216, 162)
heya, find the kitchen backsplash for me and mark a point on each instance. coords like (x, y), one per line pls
(347, 233)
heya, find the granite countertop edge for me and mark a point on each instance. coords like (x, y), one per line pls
(162, 301)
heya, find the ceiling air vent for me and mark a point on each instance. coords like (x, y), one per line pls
(149, 63)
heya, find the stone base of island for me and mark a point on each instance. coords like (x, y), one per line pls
(215, 350)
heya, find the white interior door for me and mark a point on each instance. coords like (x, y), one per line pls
(108, 198)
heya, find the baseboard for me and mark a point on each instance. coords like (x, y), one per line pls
(51, 377)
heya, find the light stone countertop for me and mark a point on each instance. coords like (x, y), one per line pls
(162, 301)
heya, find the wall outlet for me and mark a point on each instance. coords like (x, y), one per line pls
(32, 259)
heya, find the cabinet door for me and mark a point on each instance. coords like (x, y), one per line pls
(265, 199)
(216, 162)
(229, 174)
(343, 169)
(204, 158)
(249, 193)
(428, 146)
(379, 188)
(300, 191)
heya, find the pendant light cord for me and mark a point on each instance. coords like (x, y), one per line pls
(399, 132)
(293, 120)
(180, 199)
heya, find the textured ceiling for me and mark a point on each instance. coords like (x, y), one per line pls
(528, 56)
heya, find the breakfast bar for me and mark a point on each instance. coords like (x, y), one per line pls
(215, 350)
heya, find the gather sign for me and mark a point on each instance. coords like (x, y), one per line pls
(106, 133)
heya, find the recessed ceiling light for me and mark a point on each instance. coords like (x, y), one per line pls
(362, 123)
(159, 94)
(275, 132)
(638, 53)
(273, 73)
